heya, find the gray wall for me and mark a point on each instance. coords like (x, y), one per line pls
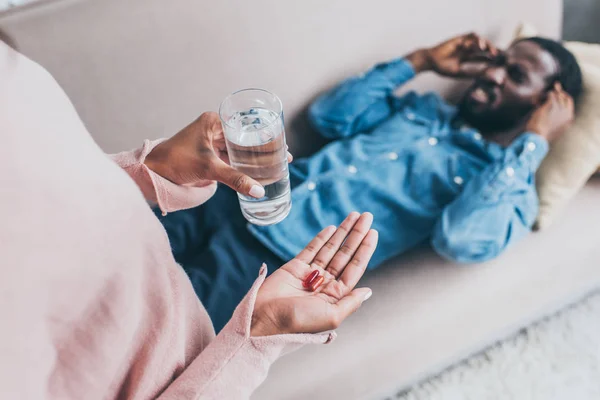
(582, 20)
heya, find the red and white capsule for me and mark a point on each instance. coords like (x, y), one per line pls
(313, 281)
(310, 279)
(316, 283)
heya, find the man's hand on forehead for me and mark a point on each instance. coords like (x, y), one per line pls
(463, 56)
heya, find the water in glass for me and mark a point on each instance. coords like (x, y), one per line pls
(256, 147)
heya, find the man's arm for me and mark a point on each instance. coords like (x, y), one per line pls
(499, 206)
(361, 103)
(496, 208)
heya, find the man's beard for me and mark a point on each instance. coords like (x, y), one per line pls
(492, 121)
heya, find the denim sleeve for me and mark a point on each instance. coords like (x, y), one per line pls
(496, 208)
(359, 103)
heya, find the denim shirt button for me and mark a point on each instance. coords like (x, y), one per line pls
(432, 141)
(458, 180)
(510, 171)
(531, 146)
(311, 186)
(410, 116)
(393, 156)
(352, 169)
(477, 136)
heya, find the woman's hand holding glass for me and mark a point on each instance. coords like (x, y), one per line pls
(198, 153)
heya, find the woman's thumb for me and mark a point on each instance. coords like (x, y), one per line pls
(350, 303)
(238, 181)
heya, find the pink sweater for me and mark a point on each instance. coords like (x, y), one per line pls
(92, 303)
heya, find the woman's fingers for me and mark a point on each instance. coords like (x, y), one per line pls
(350, 245)
(329, 249)
(355, 269)
(238, 181)
(310, 251)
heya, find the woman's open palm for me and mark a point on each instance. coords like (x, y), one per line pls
(341, 255)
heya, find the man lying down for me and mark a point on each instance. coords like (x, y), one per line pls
(459, 177)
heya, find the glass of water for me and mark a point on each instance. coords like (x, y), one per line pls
(253, 124)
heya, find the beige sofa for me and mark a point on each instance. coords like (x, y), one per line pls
(143, 68)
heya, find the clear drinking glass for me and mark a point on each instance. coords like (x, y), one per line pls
(253, 124)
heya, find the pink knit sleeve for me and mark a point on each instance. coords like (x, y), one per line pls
(235, 364)
(158, 190)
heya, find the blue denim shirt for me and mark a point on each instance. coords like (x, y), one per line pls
(403, 159)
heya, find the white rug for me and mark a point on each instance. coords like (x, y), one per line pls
(555, 359)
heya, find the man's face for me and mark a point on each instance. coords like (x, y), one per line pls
(507, 91)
